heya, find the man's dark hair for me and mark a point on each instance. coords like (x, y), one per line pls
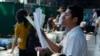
(76, 11)
(63, 7)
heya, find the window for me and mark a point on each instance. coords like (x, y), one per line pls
(31, 1)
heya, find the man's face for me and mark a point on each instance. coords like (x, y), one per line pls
(67, 18)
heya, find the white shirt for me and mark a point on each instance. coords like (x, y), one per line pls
(98, 22)
(74, 43)
(94, 16)
(60, 18)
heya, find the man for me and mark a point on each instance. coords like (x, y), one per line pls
(97, 35)
(94, 16)
(97, 27)
(74, 43)
(61, 10)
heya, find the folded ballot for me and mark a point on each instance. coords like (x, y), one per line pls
(37, 23)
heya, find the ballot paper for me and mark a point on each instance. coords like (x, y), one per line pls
(38, 21)
(40, 16)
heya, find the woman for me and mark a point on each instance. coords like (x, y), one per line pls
(22, 29)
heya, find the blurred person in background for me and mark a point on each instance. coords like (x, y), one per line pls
(50, 23)
(61, 10)
(94, 17)
(97, 28)
(56, 26)
(32, 40)
(21, 32)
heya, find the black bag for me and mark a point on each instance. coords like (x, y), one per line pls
(32, 41)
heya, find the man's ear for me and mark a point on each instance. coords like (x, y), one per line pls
(75, 19)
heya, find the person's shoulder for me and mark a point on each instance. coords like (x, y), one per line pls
(19, 25)
(78, 32)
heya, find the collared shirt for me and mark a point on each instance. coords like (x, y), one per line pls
(74, 43)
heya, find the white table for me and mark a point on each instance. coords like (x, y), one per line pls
(52, 37)
(55, 36)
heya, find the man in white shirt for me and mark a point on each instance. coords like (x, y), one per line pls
(61, 10)
(94, 16)
(97, 27)
(74, 43)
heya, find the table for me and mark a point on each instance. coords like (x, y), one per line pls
(55, 36)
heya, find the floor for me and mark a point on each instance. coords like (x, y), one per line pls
(92, 50)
